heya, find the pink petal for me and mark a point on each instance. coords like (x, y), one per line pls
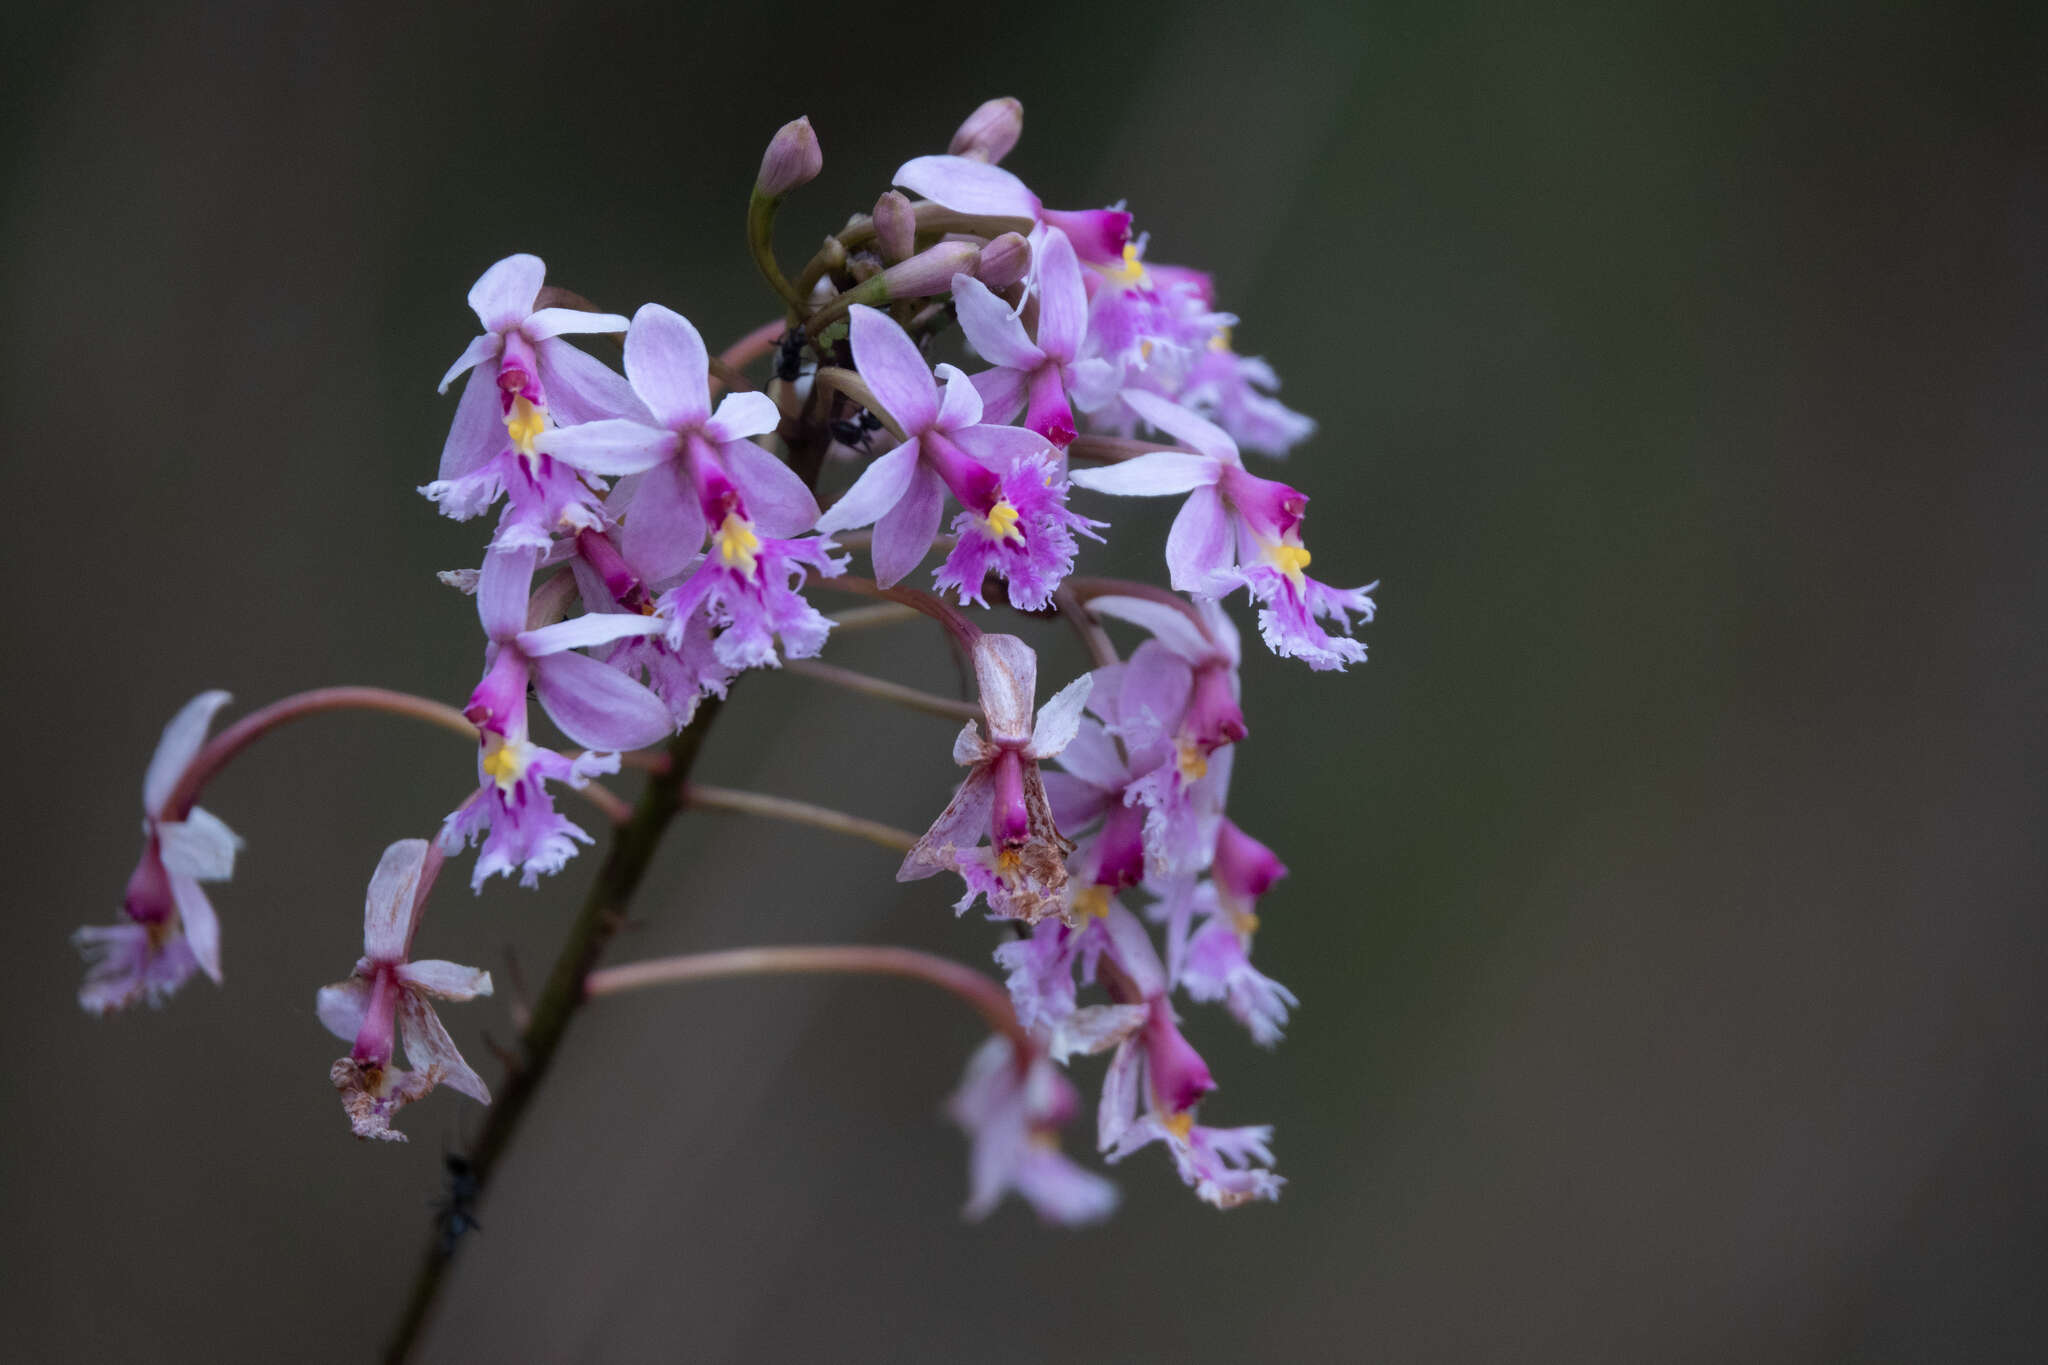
(200, 846)
(341, 1007)
(880, 487)
(555, 322)
(961, 826)
(1059, 718)
(1177, 421)
(181, 739)
(669, 367)
(478, 431)
(480, 349)
(596, 705)
(388, 906)
(582, 632)
(202, 926)
(959, 402)
(446, 979)
(1156, 474)
(896, 373)
(968, 186)
(427, 1044)
(1002, 394)
(581, 388)
(503, 295)
(994, 331)
(609, 447)
(1006, 670)
(664, 524)
(905, 532)
(778, 502)
(741, 415)
(1168, 625)
(502, 588)
(1000, 448)
(1062, 299)
(1198, 546)
(1091, 756)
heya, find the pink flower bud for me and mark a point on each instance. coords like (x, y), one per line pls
(990, 131)
(792, 159)
(931, 271)
(1004, 261)
(895, 227)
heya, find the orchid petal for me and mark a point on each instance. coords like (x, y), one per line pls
(181, 740)
(581, 388)
(388, 906)
(669, 367)
(200, 846)
(904, 534)
(1091, 756)
(1006, 670)
(341, 1007)
(555, 322)
(1002, 393)
(582, 632)
(447, 980)
(1062, 298)
(967, 186)
(665, 524)
(480, 349)
(1170, 626)
(960, 402)
(778, 501)
(1059, 718)
(1075, 803)
(202, 926)
(502, 587)
(503, 296)
(596, 705)
(1158, 473)
(993, 328)
(1177, 421)
(1198, 545)
(741, 415)
(427, 1044)
(1001, 448)
(478, 431)
(615, 445)
(894, 370)
(880, 487)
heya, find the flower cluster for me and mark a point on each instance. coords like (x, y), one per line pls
(653, 541)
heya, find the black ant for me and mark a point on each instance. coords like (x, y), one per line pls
(857, 432)
(456, 1214)
(789, 355)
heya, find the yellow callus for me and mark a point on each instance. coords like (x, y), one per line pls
(1289, 559)
(503, 763)
(1002, 520)
(1179, 1124)
(737, 544)
(1132, 271)
(524, 425)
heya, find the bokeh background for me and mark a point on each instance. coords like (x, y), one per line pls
(1668, 889)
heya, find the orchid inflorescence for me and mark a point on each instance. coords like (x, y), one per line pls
(656, 541)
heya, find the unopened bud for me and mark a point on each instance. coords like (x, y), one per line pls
(895, 227)
(990, 131)
(792, 159)
(931, 271)
(1004, 261)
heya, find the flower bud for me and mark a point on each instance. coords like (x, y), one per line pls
(1004, 261)
(792, 159)
(990, 131)
(931, 271)
(895, 227)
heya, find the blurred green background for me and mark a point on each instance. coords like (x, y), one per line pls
(1667, 895)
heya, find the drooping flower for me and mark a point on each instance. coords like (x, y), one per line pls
(1012, 1109)
(1022, 870)
(1039, 970)
(595, 705)
(1034, 376)
(1218, 967)
(1208, 641)
(1156, 1080)
(1237, 529)
(524, 378)
(170, 927)
(966, 185)
(1152, 326)
(1015, 521)
(697, 471)
(384, 1003)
